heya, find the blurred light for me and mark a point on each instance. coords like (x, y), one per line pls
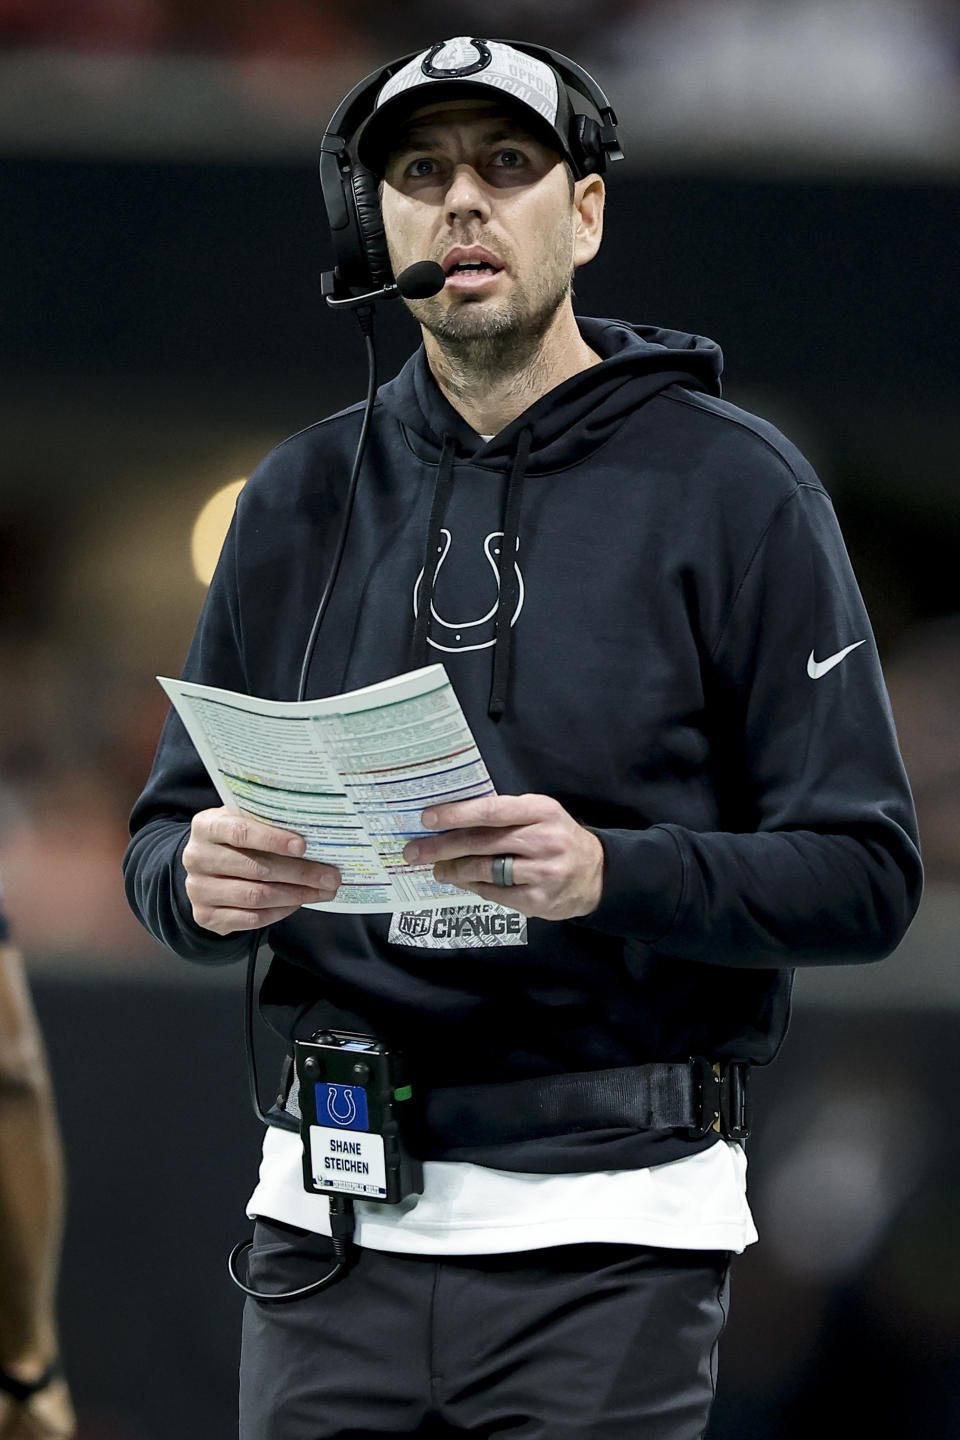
(829, 1201)
(210, 529)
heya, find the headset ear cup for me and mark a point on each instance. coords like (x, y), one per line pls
(373, 241)
(586, 146)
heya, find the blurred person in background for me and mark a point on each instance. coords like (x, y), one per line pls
(34, 1399)
(681, 703)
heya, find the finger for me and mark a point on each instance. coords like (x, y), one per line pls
(228, 922)
(476, 870)
(225, 827)
(513, 897)
(453, 844)
(221, 892)
(287, 870)
(203, 857)
(496, 810)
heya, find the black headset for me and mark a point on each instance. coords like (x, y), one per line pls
(351, 191)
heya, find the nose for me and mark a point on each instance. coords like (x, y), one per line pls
(466, 197)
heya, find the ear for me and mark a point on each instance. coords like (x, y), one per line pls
(588, 198)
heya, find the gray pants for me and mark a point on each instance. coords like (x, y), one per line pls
(597, 1342)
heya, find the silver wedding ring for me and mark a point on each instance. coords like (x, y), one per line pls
(503, 870)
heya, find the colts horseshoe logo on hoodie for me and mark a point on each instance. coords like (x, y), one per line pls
(479, 633)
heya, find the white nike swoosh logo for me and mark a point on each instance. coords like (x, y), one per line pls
(816, 668)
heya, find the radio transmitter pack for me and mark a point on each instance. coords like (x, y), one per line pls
(353, 1092)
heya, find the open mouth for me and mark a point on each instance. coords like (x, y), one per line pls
(468, 266)
(473, 267)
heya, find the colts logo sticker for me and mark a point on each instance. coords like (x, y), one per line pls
(455, 59)
(342, 1105)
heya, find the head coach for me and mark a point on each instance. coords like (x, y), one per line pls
(644, 604)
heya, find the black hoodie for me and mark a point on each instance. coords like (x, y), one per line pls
(679, 581)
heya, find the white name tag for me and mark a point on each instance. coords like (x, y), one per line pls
(348, 1161)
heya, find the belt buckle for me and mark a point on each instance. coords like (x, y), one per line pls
(735, 1100)
(706, 1097)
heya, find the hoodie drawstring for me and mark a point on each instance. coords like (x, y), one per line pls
(509, 583)
(506, 568)
(432, 554)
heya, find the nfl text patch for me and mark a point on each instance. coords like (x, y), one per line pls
(478, 926)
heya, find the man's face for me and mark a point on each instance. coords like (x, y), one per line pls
(468, 186)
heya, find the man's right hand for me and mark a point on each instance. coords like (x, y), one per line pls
(243, 874)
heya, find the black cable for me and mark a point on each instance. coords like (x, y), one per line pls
(341, 1207)
(342, 1222)
(365, 320)
(253, 1084)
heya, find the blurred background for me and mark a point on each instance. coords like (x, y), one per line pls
(792, 189)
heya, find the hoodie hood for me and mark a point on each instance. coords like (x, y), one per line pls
(565, 425)
(559, 430)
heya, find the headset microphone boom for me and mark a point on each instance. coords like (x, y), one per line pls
(418, 282)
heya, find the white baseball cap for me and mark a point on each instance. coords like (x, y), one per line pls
(467, 67)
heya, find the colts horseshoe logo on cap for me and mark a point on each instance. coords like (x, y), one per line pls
(452, 59)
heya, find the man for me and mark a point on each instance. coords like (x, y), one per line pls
(642, 600)
(34, 1400)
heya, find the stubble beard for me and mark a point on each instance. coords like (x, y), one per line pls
(486, 342)
(482, 342)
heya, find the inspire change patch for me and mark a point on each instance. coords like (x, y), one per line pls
(480, 926)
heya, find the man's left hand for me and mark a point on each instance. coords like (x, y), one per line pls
(558, 865)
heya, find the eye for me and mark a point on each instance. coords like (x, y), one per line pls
(421, 168)
(509, 159)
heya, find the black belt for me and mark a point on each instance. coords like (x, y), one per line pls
(693, 1095)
